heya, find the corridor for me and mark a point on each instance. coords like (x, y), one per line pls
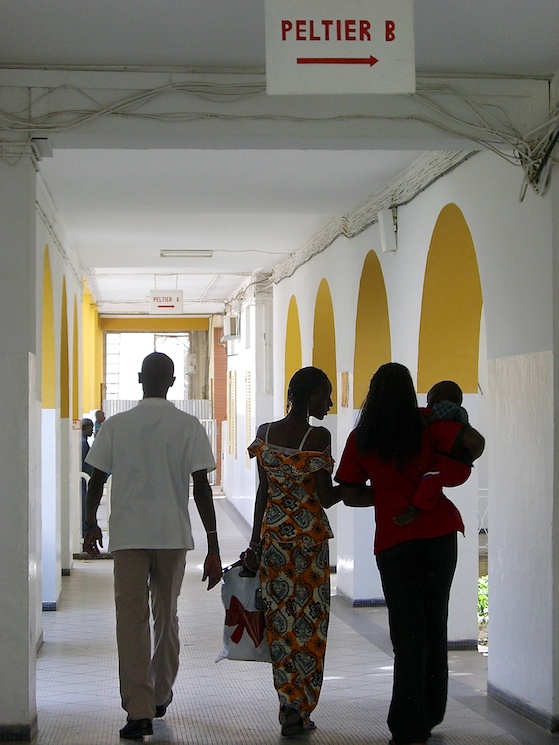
(233, 703)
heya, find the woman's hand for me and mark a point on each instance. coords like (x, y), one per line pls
(359, 495)
(408, 516)
(251, 558)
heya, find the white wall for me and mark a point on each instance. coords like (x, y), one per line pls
(18, 453)
(521, 565)
(341, 265)
(513, 244)
(513, 248)
(249, 356)
(62, 458)
(514, 252)
(31, 432)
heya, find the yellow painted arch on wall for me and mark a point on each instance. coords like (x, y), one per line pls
(92, 353)
(293, 359)
(75, 364)
(324, 339)
(451, 306)
(64, 361)
(48, 366)
(372, 328)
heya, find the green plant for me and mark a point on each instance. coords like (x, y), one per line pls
(483, 600)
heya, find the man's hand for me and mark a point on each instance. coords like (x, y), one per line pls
(212, 570)
(93, 536)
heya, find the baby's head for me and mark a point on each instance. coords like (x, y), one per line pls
(445, 390)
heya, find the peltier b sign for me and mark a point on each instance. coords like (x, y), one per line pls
(328, 46)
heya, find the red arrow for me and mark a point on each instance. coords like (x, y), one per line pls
(165, 306)
(337, 61)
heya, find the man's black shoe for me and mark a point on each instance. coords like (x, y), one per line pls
(135, 729)
(162, 708)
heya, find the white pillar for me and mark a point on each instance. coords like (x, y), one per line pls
(51, 512)
(462, 615)
(18, 452)
(358, 579)
(65, 495)
(75, 492)
(523, 515)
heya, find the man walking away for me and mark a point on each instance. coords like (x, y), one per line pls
(152, 452)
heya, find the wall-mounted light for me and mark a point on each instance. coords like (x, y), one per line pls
(388, 224)
(42, 147)
(185, 254)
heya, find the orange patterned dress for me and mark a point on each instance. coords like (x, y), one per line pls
(295, 571)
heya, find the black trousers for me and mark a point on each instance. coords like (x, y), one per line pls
(416, 578)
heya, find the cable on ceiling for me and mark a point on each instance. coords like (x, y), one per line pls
(489, 126)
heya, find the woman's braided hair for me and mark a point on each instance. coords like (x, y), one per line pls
(303, 384)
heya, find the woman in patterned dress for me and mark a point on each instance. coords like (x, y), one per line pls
(289, 544)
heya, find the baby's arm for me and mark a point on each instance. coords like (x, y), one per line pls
(446, 472)
(448, 410)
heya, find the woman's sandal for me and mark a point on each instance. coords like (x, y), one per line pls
(291, 721)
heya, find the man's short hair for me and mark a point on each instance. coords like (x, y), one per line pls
(157, 367)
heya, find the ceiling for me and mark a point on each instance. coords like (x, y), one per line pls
(251, 207)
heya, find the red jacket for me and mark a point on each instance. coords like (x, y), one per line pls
(394, 490)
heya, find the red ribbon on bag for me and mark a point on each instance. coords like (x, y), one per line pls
(252, 621)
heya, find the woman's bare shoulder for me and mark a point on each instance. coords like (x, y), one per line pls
(319, 439)
(261, 431)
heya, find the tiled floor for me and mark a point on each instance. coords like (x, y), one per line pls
(233, 703)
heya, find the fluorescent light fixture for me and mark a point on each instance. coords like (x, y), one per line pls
(185, 254)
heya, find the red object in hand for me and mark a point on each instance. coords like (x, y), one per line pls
(252, 621)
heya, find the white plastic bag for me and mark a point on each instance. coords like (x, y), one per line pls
(244, 633)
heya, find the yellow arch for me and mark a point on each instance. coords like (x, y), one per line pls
(324, 339)
(451, 306)
(75, 364)
(372, 328)
(92, 353)
(64, 362)
(293, 358)
(48, 366)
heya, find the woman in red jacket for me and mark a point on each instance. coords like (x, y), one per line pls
(393, 447)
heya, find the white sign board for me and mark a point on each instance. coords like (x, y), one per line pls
(163, 302)
(328, 46)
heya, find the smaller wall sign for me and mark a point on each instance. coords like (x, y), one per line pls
(162, 302)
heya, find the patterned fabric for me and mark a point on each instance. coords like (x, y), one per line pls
(295, 571)
(450, 410)
(296, 595)
(293, 507)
